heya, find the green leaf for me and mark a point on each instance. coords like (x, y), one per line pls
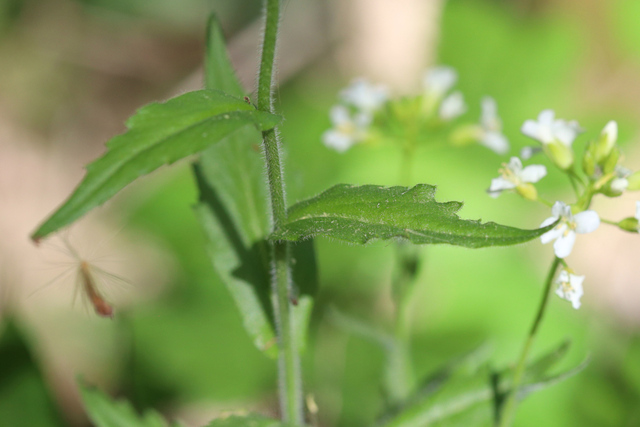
(544, 363)
(398, 381)
(219, 73)
(105, 412)
(158, 134)
(361, 214)
(248, 421)
(25, 398)
(460, 396)
(233, 212)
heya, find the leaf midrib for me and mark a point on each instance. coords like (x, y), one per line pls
(100, 183)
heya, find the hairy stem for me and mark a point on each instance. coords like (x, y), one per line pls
(289, 376)
(509, 408)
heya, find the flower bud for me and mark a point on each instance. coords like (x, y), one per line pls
(611, 161)
(614, 188)
(560, 154)
(589, 161)
(607, 141)
(634, 181)
(528, 191)
(465, 135)
(630, 224)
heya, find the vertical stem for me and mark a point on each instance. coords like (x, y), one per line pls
(400, 378)
(289, 376)
(508, 411)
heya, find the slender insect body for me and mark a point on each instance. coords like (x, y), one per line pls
(101, 306)
(90, 280)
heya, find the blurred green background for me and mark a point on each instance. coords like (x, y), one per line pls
(72, 71)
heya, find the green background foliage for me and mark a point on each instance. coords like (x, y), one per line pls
(190, 344)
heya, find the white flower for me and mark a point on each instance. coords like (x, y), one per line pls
(638, 211)
(438, 80)
(348, 129)
(548, 129)
(514, 175)
(452, 106)
(491, 136)
(365, 96)
(570, 288)
(564, 233)
(620, 182)
(528, 152)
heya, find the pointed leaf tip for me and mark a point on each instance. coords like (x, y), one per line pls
(158, 134)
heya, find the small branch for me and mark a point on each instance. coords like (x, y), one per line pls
(508, 410)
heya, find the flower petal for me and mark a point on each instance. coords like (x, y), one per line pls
(578, 291)
(364, 96)
(337, 140)
(559, 209)
(548, 222)
(546, 117)
(638, 211)
(339, 115)
(515, 165)
(531, 129)
(564, 244)
(439, 80)
(566, 132)
(452, 106)
(575, 301)
(489, 117)
(528, 152)
(496, 142)
(501, 184)
(554, 233)
(533, 173)
(586, 222)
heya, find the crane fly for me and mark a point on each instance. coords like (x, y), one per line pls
(89, 280)
(101, 306)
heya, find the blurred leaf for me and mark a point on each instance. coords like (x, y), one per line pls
(305, 283)
(233, 211)
(242, 267)
(398, 379)
(159, 133)
(464, 365)
(183, 14)
(10, 11)
(105, 412)
(460, 395)
(361, 214)
(248, 421)
(219, 73)
(25, 400)
(543, 364)
(534, 386)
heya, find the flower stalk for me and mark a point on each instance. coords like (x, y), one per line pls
(509, 407)
(289, 376)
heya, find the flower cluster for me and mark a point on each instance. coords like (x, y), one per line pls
(351, 119)
(601, 173)
(366, 112)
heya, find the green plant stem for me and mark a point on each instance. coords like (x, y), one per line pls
(289, 375)
(508, 410)
(400, 378)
